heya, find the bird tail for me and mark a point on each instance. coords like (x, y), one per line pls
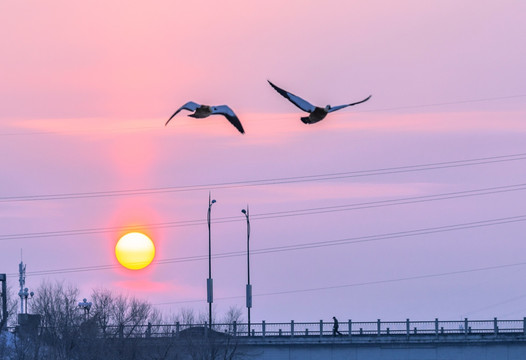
(308, 120)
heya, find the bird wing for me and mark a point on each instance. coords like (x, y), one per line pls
(191, 106)
(335, 108)
(296, 100)
(227, 112)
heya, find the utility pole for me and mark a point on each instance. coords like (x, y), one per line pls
(209, 281)
(249, 286)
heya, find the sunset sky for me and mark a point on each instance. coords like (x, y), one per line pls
(85, 90)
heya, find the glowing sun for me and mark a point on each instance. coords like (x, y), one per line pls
(135, 251)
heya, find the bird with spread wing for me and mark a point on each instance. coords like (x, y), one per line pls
(316, 113)
(203, 111)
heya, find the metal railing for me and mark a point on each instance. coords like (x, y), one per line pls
(407, 328)
(346, 328)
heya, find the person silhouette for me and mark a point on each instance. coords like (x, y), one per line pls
(335, 327)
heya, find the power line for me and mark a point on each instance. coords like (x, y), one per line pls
(269, 181)
(376, 282)
(507, 301)
(303, 246)
(275, 214)
(403, 201)
(448, 103)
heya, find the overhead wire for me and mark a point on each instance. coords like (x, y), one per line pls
(274, 214)
(269, 181)
(365, 283)
(448, 103)
(321, 177)
(302, 246)
(507, 301)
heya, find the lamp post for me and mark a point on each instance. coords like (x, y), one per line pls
(86, 306)
(249, 287)
(209, 282)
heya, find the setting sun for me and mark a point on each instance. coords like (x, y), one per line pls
(135, 251)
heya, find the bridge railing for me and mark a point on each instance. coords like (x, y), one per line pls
(321, 328)
(407, 327)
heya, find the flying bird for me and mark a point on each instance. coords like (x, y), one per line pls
(203, 111)
(316, 113)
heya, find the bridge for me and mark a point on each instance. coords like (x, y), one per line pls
(351, 330)
(423, 340)
(433, 340)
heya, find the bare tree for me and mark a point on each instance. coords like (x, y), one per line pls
(12, 305)
(60, 318)
(200, 342)
(67, 334)
(233, 320)
(102, 303)
(21, 348)
(118, 327)
(186, 316)
(13, 347)
(122, 319)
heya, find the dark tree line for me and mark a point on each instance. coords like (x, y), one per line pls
(117, 327)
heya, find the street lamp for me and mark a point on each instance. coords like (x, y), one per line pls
(209, 282)
(86, 306)
(249, 287)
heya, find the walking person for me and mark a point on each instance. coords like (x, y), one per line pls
(335, 327)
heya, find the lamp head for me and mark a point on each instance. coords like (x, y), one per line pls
(213, 201)
(244, 211)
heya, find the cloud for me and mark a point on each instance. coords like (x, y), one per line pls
(273, 128)
(82, 126)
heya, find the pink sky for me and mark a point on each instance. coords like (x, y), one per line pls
(86, 89)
